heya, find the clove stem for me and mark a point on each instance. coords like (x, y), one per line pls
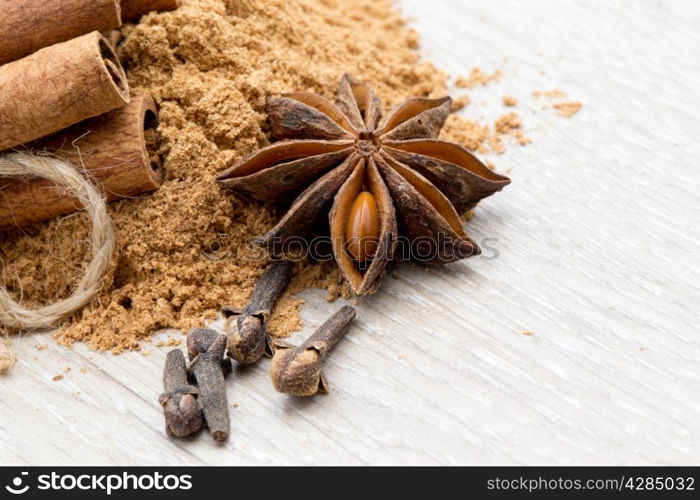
(207, 349)
(248, 339)
(183, 416)
(298, 370)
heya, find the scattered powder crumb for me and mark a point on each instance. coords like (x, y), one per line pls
(170, 342)
(7, 357)
(401, 356)
(527, 333)
(395, 275)
(459, 103)
(567, 109)
(479, 137)
(522, 139)
(548, 93)
(476, 77)
(509, 101)
(83, 370)
(145, 352)
(495, 142)
(57, 377)
(506, 123)
(42, 347)
(67, 369)
(510, 124)
(235, 405)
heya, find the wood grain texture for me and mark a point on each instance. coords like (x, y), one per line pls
(29, 25)
(597, 243)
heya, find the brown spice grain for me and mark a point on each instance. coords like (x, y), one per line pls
(509, 101)
(567, 109)
(477, 77)
(506, 123)
(554, 93)
(521, 138)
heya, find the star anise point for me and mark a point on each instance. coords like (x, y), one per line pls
(378, 176)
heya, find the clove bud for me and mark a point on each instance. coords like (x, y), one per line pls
(183, 416)
(297, 370)
(206, 349)
(248, 339)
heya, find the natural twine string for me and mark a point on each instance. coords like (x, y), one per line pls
(22, 165)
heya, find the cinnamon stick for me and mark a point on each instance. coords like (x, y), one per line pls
(132, 10)
(114, 37)
(59, 86)
(29, 25)
(119, 150)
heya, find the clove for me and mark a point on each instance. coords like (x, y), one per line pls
(297, 370)
(206, 349)
(183, 416)
(248, 338)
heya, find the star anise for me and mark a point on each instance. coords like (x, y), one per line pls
(381, 177)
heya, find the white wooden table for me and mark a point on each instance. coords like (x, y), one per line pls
(598, 256)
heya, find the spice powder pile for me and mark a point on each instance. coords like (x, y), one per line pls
(211, 64)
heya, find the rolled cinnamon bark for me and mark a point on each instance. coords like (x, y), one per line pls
(114, 37)
(29, 25)
(59, 86)
(119, 150)
(132, 10)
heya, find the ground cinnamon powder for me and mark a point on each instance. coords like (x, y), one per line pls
(211, 64)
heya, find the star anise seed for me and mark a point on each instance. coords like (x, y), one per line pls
(377, 176)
